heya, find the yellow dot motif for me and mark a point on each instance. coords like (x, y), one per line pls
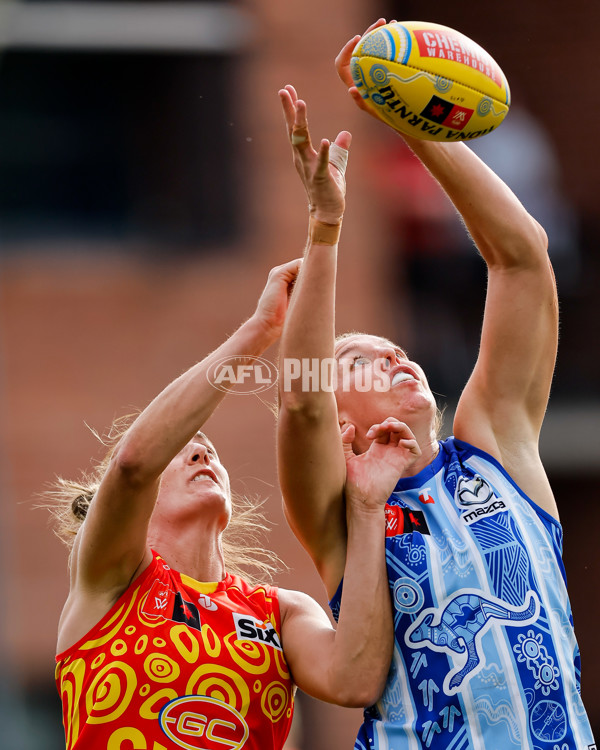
(251, 656)
(140, 645)
(211, 642)
(151, 708)
(98, 660)
(129, 737)
(118, 648)
(274, 701)
(110, 693)
(161, 668)
(222, 683)
(187, 646)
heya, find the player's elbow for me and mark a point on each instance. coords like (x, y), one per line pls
(525, 249)
(541, 235)
(359, 692)
(302, 405)
(536, 239)
(128, 466)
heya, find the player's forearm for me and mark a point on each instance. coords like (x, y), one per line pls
(309, 330)
(180, 410)
(504, 232)
(365, 635)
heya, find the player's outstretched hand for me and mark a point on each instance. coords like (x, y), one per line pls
(321, 170)
(372, 476)
(273, 303)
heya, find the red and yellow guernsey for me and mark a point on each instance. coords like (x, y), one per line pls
(179, 664)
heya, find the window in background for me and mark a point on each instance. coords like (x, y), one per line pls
(118, 124)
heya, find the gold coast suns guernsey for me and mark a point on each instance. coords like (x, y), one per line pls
(179, 664)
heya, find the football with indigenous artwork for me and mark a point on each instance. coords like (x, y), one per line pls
(429, 81)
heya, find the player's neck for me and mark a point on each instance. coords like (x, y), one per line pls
(199, 556)
(429, 452)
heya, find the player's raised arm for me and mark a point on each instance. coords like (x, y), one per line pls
(503, 405)
(112, 543)
(504, 402)
(310, 457)
(349, 665)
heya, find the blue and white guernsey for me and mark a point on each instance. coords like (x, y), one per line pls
(485, 655)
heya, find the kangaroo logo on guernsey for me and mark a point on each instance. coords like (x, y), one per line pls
(458, 625)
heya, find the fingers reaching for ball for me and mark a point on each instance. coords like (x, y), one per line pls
(322, 170)
(342, 65)
(342, 61)
(294, 112)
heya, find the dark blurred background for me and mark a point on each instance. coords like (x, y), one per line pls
(146, 188)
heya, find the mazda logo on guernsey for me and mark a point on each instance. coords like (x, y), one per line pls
(243, 375)
(475, 491)
(197, 722)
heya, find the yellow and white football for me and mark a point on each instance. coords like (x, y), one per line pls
(430, 81)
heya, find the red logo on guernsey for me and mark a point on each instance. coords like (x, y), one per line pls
(394, 520)
(426, 498)
(163, 602)
(456, 47)
(399, 520)
(197, 722)
(158, 600)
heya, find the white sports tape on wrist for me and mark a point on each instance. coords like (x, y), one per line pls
(338, 156)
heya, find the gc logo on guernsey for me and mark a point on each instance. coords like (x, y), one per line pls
(186, 722)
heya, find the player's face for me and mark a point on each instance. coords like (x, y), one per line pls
(376, 380)
(195, 477)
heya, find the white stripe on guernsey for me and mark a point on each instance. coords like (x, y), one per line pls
(500, 639)
(380, 735)
(471, 719)
(460, 741)
(517, 700)
(527, 517)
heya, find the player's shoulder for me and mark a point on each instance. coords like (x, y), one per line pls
(294, 603)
